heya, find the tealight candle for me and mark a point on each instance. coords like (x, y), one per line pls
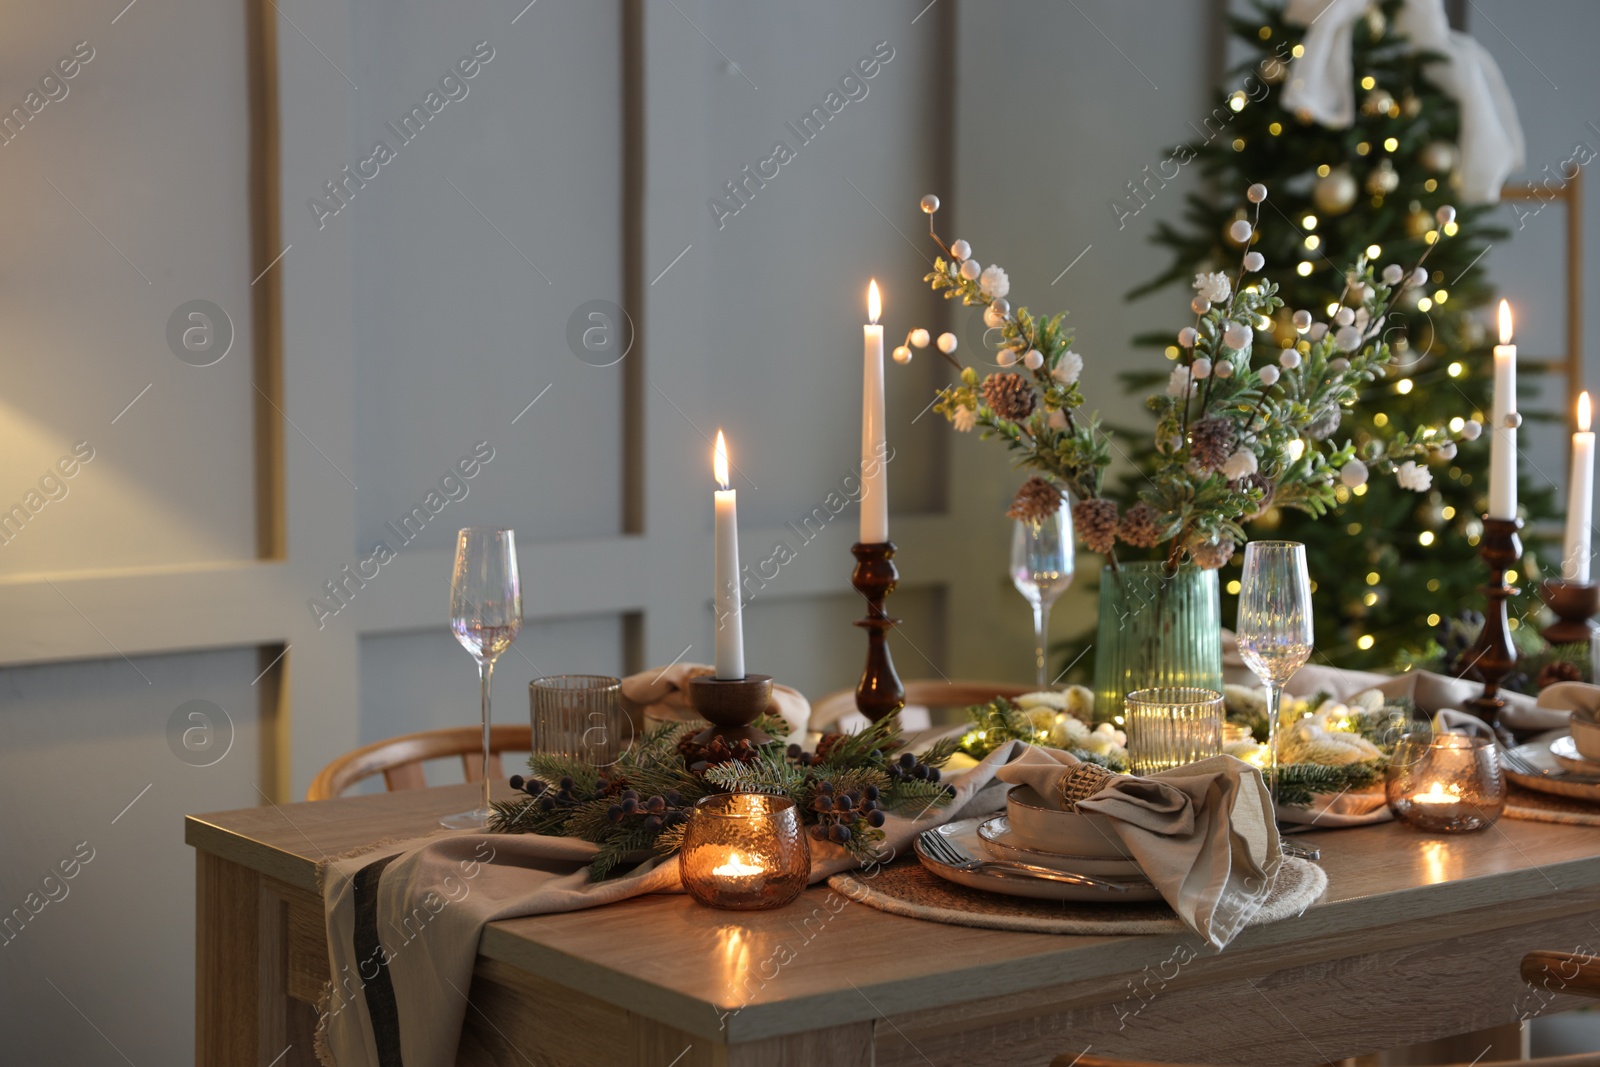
(744, 851)
(1448, 782)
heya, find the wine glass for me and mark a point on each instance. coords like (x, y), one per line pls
(1274, 630)
(485, 616)
(1041, 569)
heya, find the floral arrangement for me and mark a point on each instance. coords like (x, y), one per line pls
(1324, 745)
(638, 806)
(1236, 431)
(1060, 719)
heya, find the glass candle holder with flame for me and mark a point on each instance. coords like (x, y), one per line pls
(1446, 782)
(744, 851)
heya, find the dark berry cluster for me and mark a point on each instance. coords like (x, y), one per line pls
(564, 794)
(657, 813)
(838, 816)
(908, 767)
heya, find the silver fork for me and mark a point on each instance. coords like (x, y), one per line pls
(947, 852)
(1520, 764)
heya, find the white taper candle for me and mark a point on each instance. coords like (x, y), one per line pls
(874, 475)
(1503, 439)
(729, 660)
(1580, 499)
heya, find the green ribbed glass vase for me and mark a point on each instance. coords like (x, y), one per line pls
(1156, 630)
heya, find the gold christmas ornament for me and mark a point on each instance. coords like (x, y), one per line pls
(1418, 222)
(1439, 157)
(1383, 179)
(1273, 70)
(1411, 106)
(1376, 23)
(1378, 102)
(1336, 193)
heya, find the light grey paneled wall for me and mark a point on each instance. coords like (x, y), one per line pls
(87, 760)
(472, 250)
(121, 217)
(1557, 93)
(1059, 107)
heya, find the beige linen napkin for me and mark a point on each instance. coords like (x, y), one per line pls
(1202, 833)
(662, 694)
(404, 918)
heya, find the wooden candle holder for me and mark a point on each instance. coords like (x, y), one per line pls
(879, 694)
(730, 705)
(1575, 604)
(1493, 655)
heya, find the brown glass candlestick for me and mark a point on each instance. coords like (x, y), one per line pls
(879, 694)
(1493, 656)
(730, 705)
(1575, 604)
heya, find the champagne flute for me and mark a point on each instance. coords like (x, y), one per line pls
(1041, 568)
(485, 616)
(1274, 629)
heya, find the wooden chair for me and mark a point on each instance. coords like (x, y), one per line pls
(920, 693)
(1574, 974)
(400, 759)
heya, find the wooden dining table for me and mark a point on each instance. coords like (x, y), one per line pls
(1417, 937)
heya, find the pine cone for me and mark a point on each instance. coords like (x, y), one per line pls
(1096, 520)
(1211, 442)
(1140, 526)
(1558, 671)
(1035, 502)
(1008, 396)
(1256, 481)
(1212, 555)
(1326, 424)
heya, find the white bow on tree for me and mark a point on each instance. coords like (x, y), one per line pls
(1321, 83)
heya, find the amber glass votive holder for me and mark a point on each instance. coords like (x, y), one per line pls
(1449, 783)
(744, 851)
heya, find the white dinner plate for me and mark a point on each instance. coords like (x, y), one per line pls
(1002, 844)
(1541, 757)
(1565, 750)
(965, 833)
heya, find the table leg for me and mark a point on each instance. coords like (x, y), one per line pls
(227, 1022)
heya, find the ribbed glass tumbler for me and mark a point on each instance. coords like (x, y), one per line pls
(1171, 726)
(579, 717)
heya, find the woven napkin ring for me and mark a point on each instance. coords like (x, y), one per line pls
(1081, 782)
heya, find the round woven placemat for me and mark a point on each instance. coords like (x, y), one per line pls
(907, 888)
(1545, 807)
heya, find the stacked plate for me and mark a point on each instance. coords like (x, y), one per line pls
(1037, 851)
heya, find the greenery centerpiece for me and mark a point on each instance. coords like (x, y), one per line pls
(1241, 425)
(638, 806)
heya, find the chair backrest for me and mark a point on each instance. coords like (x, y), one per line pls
(1574, 973)
(400, 759)
(921, 693)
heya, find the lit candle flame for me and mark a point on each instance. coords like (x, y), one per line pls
(1439, 794)
(874, 302)
(719, 461)
(736, 867)
(1583, 411)
(1505, 323)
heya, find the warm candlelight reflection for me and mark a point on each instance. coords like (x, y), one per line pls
(874, 303)
(733, 952)
(1440, 863)
(1505, 323)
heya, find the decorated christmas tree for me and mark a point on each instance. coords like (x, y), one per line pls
(1392, 566)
